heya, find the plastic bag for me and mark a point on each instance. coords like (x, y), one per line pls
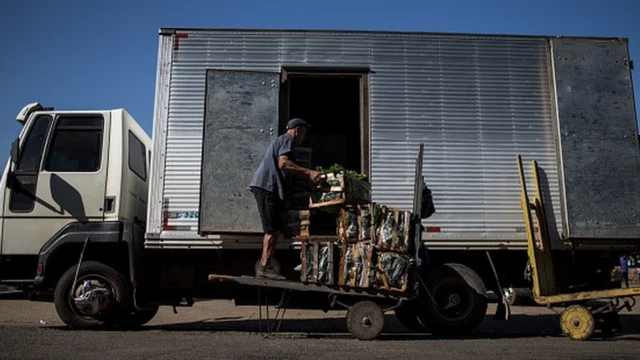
(310, 264)
(323, 264)
(387, 230)
(352, 224)
(365, 218)
(394, 267)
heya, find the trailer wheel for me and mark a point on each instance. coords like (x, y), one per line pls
(457, 301)
(98, 296)
(365, 320)
(577, 322)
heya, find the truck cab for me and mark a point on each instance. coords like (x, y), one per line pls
(72, 175)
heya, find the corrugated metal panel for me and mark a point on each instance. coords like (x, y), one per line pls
(474, 101)
(160, 119)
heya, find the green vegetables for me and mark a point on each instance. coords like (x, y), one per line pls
(335, 168)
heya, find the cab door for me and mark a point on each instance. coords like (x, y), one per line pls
(59, 179)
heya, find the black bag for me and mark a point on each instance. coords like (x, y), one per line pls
(427, 209)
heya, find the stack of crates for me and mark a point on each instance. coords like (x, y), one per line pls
(377, 247)
(373, 249)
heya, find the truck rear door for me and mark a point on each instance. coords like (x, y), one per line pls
(241, 119)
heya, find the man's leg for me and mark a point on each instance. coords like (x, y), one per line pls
(269, 243)
(270, 218)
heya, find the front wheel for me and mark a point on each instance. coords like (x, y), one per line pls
(98, 295)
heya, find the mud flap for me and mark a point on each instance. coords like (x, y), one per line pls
(503, 312)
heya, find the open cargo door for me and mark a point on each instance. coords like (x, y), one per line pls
(241, 119)
(598, 142)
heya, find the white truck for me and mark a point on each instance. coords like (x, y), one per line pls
(148, 220)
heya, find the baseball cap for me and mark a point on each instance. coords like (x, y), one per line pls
(297, 122)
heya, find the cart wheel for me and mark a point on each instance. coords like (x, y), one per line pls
(577, 322)
(365, 320)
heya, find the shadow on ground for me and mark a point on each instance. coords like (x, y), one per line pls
(519, 326)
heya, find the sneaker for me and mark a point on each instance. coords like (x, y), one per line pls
(267, 272)
(298, 268)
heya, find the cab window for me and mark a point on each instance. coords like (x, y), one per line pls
(76, 145)
(24, 179)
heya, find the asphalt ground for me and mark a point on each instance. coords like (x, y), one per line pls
(217, 329)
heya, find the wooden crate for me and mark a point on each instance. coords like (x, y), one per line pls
(297, 229)
(356, 265)
(358, 222)
(340, 189)
(394, 231)
(296, 223)
(317, 258)
(292, 216)
(392, 271)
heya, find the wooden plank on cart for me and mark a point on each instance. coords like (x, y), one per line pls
(299, 286)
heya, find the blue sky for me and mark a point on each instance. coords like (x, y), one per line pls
(74, 54)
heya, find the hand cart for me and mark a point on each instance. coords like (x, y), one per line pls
(577, 321)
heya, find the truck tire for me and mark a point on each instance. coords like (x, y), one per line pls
(460, 300)
(98, 296)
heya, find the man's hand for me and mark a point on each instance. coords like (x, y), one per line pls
(315, 177)
(284, 163)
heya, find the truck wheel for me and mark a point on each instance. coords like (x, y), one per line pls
(98, 296)
(460, 299)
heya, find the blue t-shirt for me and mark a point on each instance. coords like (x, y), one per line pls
(624, 265)
(268, 176)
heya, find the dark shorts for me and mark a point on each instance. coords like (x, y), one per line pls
(270, 207)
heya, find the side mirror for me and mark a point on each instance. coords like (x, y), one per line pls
(15, 151)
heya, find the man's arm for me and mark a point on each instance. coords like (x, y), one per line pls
(285, 164)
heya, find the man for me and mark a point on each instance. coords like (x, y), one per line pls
(624, 269)
(272, 187)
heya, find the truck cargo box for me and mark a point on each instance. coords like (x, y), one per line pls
(475, 101)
